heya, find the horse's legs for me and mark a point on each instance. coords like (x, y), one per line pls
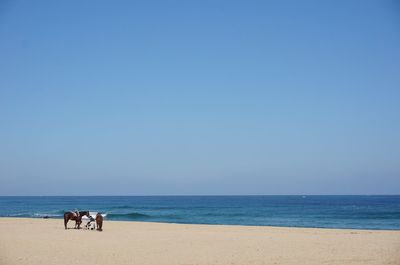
(78, 223)
(65, 221)
(99, 225)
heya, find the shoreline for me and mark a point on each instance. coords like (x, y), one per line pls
(45, 241)
(202, 224)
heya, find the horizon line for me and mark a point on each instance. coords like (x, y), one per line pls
(202, 195)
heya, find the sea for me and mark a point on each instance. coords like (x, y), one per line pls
(348, 212)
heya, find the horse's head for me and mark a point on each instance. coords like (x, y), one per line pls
(84, 213)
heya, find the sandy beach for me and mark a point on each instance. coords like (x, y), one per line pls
(45, 241)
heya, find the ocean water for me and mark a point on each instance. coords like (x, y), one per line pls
(359, 212)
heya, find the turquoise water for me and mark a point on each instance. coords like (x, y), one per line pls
(361, 212)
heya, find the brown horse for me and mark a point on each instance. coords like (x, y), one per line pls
(99, 222)
(76, 216)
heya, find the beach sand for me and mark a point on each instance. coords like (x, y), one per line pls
(44, 241)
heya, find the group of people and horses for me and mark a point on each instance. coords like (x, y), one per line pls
(77, 217)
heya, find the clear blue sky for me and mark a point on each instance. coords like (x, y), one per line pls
(199, 97)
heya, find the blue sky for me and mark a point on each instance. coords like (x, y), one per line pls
(199, 97)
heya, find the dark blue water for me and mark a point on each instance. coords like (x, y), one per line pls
(362, 212)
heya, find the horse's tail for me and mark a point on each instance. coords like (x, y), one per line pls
(65, 220)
